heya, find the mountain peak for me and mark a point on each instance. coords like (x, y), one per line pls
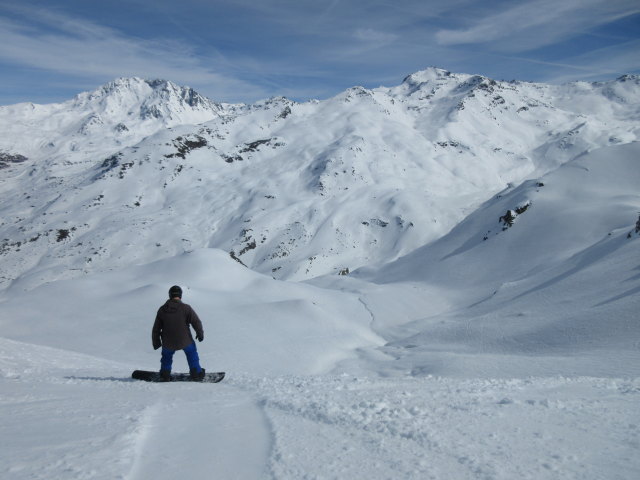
(186, 95)
(426, 75)
(628, 78)
(114, 87)
(152, 98)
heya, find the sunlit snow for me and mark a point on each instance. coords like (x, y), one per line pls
(434, 280)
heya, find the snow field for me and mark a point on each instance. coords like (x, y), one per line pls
(64, 417)
(65, 421)
(56, 423)
(535, 428)
(505, 348)
(208, 433)
(252, 322)
(329, 380)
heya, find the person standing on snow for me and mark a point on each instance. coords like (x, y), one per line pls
(171, 332)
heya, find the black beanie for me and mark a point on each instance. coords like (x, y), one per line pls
(175, 291)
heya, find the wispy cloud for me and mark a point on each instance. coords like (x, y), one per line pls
(538, 23)
(374, 37)
(60, 43)
(598, 64)
(243, 50)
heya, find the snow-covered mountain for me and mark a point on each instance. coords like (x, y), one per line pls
(546, 270)
(141, 170)
(485, 326)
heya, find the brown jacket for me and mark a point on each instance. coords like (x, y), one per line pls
(171, 328)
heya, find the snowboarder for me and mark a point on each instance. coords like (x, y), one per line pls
(171, 332)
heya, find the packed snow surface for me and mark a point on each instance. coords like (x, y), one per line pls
(484, 326)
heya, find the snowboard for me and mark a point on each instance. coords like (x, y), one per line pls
(148, 376)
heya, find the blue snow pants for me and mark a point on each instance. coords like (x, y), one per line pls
(192, 358)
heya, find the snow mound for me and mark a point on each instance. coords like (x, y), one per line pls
(248, 317)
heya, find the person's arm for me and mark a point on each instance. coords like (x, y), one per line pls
(194, 320)
(156, 332)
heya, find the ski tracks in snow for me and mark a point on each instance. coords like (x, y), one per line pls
(202, 431)
(60, 421)
(65, 416)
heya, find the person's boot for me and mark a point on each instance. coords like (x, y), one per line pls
(195, 375)
(165, 375)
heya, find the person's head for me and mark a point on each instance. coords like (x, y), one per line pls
(175, 292)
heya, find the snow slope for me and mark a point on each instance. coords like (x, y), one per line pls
(296, 402)
(71, 422)
(291, 190)
(102, 313)
(490, 331)
(554, 293)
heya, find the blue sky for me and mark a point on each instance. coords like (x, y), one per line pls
(245, 50)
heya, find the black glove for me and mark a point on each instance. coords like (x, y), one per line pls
(200, 336)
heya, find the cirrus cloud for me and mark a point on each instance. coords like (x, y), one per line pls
(54, 42)
(538, 23)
